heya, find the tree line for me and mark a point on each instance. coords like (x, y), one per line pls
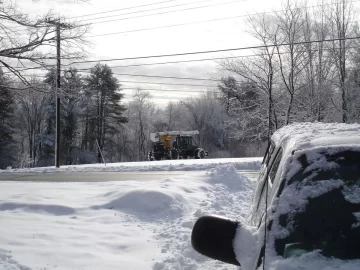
(91, 112)
(306, 69)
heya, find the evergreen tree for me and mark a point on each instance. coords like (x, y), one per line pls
(70, 112)
(7, 145)
(104, 91)
(47, 137)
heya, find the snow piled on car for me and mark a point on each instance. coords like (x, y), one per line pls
(294, 200)
(303, 135)
(310, 261)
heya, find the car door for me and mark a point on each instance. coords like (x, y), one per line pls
(258, 202)
(259, 216)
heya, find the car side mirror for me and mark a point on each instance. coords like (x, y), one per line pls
(214, 236)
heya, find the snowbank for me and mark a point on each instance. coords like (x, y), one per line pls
(57, 210)
(148, 203)
(8, 263)
(227, 175)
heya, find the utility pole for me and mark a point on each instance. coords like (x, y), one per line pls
(58, 75)
(58, 26)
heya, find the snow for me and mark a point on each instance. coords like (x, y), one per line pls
(295, 198)
(163, 165)
(306, 135)
(118, 225)
(144, 224)
(245, 243)
(148, 203)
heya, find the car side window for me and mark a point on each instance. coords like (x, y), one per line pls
(268, 153)
(269, 173)
(275, 165)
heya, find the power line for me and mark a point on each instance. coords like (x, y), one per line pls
(199, 22)
(169, 90)
(180, 61)
(165, 12)
(153, 9)
(157, 63)
(216, 51)
(168, 62)
(125, 88)
(110, 11)
(180, 84)
(115, 10)
(247, 15)
(163, 77)
(183, 24)
(135, 82)
(165, 26)
(141, 75)
(147, 64)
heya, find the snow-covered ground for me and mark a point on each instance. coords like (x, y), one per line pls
(119, 225)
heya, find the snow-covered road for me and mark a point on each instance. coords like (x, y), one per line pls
(118, 224)
(146, 166)
(104, 176)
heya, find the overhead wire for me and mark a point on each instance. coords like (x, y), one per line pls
(171, 62)
(142, 75)
(162, 77)
(143, 82)
(153, 14)
(180, 61)
(122, 88)
(169, 90)
(166, 12)
(204, 21)
(165, 26)
(216, 51)
(162, 83)
(211, 20)
(159, 8)
(127, 8)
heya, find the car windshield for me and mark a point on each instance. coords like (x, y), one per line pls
(324, 211)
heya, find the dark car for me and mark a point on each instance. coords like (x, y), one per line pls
(306, 201)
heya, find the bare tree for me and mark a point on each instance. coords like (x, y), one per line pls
(260, 70)
(31, 117)
(290, 54)
(313, 102)
(173, 115)
(341, 19)
(29, 43)
(206, 115)
(141, 109)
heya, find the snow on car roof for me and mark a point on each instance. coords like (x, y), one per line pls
(308, 135)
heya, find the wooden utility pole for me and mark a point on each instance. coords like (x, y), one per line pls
(58, 75)
(58, 26)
